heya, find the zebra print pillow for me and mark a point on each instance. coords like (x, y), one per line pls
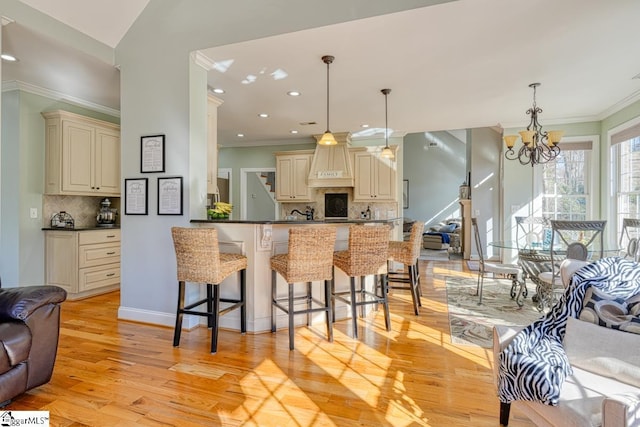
(608, 311)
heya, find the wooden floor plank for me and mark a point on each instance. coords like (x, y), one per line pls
(116, 373)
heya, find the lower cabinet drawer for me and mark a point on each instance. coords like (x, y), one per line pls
(97, 277)
(99, 254)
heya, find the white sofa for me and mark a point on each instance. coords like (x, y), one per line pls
(604, 389)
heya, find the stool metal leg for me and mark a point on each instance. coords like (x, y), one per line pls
(243, 298)
(273, 300)
(209, 306)
(179, 315)
(414, 291)
(328, 306)
(384, 283)
(354, 311)
(290, 313)
(309, 303)
(215, 317)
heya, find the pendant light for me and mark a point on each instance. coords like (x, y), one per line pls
(327, 137)
(387, 153)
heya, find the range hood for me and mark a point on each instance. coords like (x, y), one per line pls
(331, 164)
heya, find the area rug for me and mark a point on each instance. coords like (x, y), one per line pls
(473, 265)
(434, 255)
(472, 324)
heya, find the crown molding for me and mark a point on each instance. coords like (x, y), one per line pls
(58, 96)
(634, 97)
(202, 60)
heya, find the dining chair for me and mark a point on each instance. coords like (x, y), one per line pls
(309, 259)
(530, 231)
(629, 238)
(366, 256)
(578, 240)
(407, 252)
(510, 271)
(200, 261)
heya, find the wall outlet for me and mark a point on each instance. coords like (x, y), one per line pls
(477, 213)
(33, 213)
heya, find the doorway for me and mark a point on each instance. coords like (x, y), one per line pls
(257, 192)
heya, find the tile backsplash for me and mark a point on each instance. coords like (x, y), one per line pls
(384, 209)
(83, 209)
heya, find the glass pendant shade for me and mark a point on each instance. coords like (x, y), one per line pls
(554, 136)
(510, 140)
(387, 153)
(327, 139)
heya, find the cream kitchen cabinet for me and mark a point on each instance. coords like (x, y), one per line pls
(82, 155)
(292, 172)
(84, 263)
(375, 177)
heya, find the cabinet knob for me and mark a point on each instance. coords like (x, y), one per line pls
(111, 253)
(111, 236)
(111, 274)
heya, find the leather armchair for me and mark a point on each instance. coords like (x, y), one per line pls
(29, 330)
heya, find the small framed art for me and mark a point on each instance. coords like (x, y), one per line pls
(136, 196)
(152, 153)
(170, 195)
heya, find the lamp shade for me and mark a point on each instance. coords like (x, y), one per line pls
(527, 136)
(327, 139)
(510, 140)
(387, 153)
(554, 136)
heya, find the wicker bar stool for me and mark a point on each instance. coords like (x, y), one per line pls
(309, 259)
(407, 253)
(200, 261)
(367, 255)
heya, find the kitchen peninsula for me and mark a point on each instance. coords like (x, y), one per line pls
(259, 241)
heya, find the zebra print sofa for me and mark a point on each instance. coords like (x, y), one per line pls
(604, 389)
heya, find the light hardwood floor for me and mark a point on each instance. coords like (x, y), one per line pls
(115, 373)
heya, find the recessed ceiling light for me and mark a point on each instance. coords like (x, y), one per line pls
(293, 131)
(263, 115)
(218, 90)
(293, 93)
(240, 135)
(364, 126)
(8, 57)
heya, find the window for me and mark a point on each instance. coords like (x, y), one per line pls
(625, 174)
(566, 183)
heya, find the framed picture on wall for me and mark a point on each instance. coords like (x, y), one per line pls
(152, 153)
(405, 194)
(170, 195)
(136, 196)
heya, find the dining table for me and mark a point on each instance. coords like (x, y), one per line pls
(535, 258)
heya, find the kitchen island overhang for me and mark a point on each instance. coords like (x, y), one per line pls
(259, 241)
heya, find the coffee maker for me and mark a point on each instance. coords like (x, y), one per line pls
(106, 215)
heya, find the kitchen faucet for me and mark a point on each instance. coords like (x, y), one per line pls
(308, 212)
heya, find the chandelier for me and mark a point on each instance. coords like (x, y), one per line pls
(538, 146)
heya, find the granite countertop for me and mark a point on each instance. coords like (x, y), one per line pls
(116, 227)
(298, 222)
